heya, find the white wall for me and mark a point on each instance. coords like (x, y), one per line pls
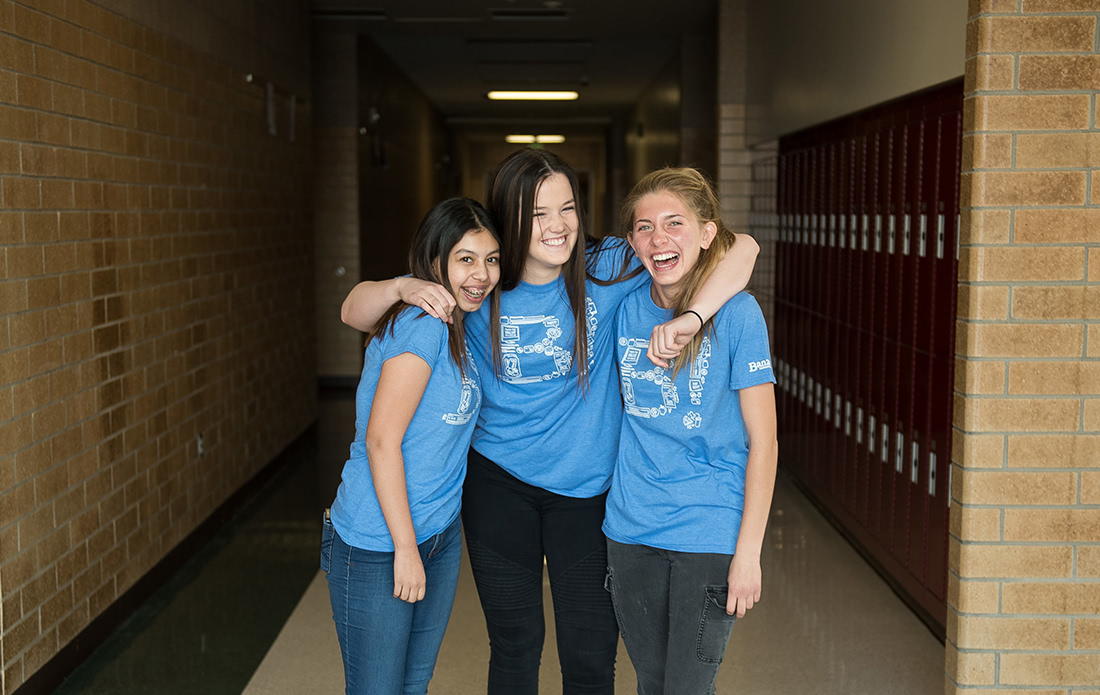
(813, 60)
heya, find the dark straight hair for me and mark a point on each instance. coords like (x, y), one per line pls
(440, 230)
(511, 199)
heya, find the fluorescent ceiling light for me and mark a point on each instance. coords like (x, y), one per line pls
(530, 139)
(533, 96)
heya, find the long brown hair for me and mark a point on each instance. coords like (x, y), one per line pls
(439, 231)
(700, 198)
(511, 199)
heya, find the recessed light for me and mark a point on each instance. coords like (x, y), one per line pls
(531, 139)
(533, 96)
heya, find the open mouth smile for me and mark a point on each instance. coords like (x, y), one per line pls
(475, 294)
(665, 261)
(554, 241)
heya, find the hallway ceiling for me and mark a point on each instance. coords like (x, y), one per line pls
(457, 50)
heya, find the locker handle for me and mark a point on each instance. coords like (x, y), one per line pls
(939, 236)
(866, 230)
(923, 235)
(905, 236)
(847, 418)
(932, 473)
(871, 435)
(885, 441)
(893, 229)
(852, 229)
(878, 233)
(828, 403)
(859, 425)
(899, 447)
(836, 412)
(914, 468)
(843, 229)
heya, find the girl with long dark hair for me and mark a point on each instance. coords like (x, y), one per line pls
(391, 547)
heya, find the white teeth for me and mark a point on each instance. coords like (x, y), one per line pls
(554, 242)
(473, 292)
(664, 256)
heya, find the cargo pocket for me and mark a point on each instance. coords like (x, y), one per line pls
(715, 626)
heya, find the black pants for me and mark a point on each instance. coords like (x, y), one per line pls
(510, 526)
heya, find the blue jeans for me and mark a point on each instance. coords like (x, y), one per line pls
(389, 646)
(510, 527)
(671, 608)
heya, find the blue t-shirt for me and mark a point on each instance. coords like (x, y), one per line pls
(679, 479)
(536, 423)
(435, 443)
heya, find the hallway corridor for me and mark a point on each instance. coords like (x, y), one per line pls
(250, 612)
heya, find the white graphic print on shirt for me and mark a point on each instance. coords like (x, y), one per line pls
(529, 346)
(471, 396)
(659, 377)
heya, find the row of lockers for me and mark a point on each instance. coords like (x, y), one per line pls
(866, 272)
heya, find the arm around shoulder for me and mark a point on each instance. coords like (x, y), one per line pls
(369, 300)
(730, 276)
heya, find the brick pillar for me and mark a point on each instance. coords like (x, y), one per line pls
(747, 201)
(1023, 592)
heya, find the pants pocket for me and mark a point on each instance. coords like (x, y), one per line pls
(327, 532)
(715, 625)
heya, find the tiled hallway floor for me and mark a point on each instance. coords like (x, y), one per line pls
(826, 623)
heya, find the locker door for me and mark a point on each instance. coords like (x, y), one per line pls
(930, 246)
(943, 322)
(840, 187)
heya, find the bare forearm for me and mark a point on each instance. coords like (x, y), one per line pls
(730, 276)
(387, 469)
(759, 487)
(367, 302)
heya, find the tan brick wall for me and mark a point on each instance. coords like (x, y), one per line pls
(155, 287)
(1025, 520)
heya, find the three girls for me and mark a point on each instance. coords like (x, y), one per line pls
(546, 440)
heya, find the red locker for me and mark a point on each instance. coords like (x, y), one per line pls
(866, 284)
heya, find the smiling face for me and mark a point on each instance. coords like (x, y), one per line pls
(668, 237)
(553, 230)
(473, 268)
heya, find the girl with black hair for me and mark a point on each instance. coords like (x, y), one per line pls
(391, 547)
